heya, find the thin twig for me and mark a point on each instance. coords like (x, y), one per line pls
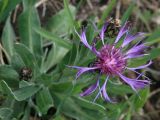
(40, 3)
(118, 10)
(153, 71)
(44, 10)
(15, 14)
(151, 6)
(55, 4)
(154, 92)
(90, 4)
(1, 57)
(5, 52)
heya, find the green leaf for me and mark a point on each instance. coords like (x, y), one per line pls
(57, 40)
(28, 3)
(118, 89)
(17, 62)
(18, 109)
(154, 53)
(70, 12)
(154, 37)
(27, 112)
(60, 118)
(137, 62)
(46, 79)
(28, 20)
(61, 23)
(71, 56)
(55, 56)
(8, 38)
(8, 74)
(44, 100)
(128, 116)
(24, 84)
(5, 88)
(3, 4)
(140, 101)
(74, 107)
(22, 93)
(26, 55)
(142, 17)
(128, 12)
(5, 113)
(61, 87)
(89, 105)
(106, 12)
(6, 6)
(25, 92)
(81, 112)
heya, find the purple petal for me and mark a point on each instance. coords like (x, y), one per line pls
(141, 67)
(122, 31)
(82, 70)
(134, 83)
(84, 39)
(140, 84)
(137, 49)
(130, 38)
(91, 89)
(104, 93)
(100, 90)
(135, 55)
(94, 50)
(103, 31)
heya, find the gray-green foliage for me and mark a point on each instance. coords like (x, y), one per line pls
(51, 85)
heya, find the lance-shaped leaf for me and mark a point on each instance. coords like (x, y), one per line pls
(56, 39)
(21, 93)
(27, 21)
(44, 100)
(8, 38)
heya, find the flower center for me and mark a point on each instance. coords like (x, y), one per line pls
(111, 60)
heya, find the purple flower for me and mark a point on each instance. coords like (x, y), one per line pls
(112, 61)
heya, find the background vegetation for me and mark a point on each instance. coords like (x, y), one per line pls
(37, 40)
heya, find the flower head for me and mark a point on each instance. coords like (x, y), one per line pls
(112, 61)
